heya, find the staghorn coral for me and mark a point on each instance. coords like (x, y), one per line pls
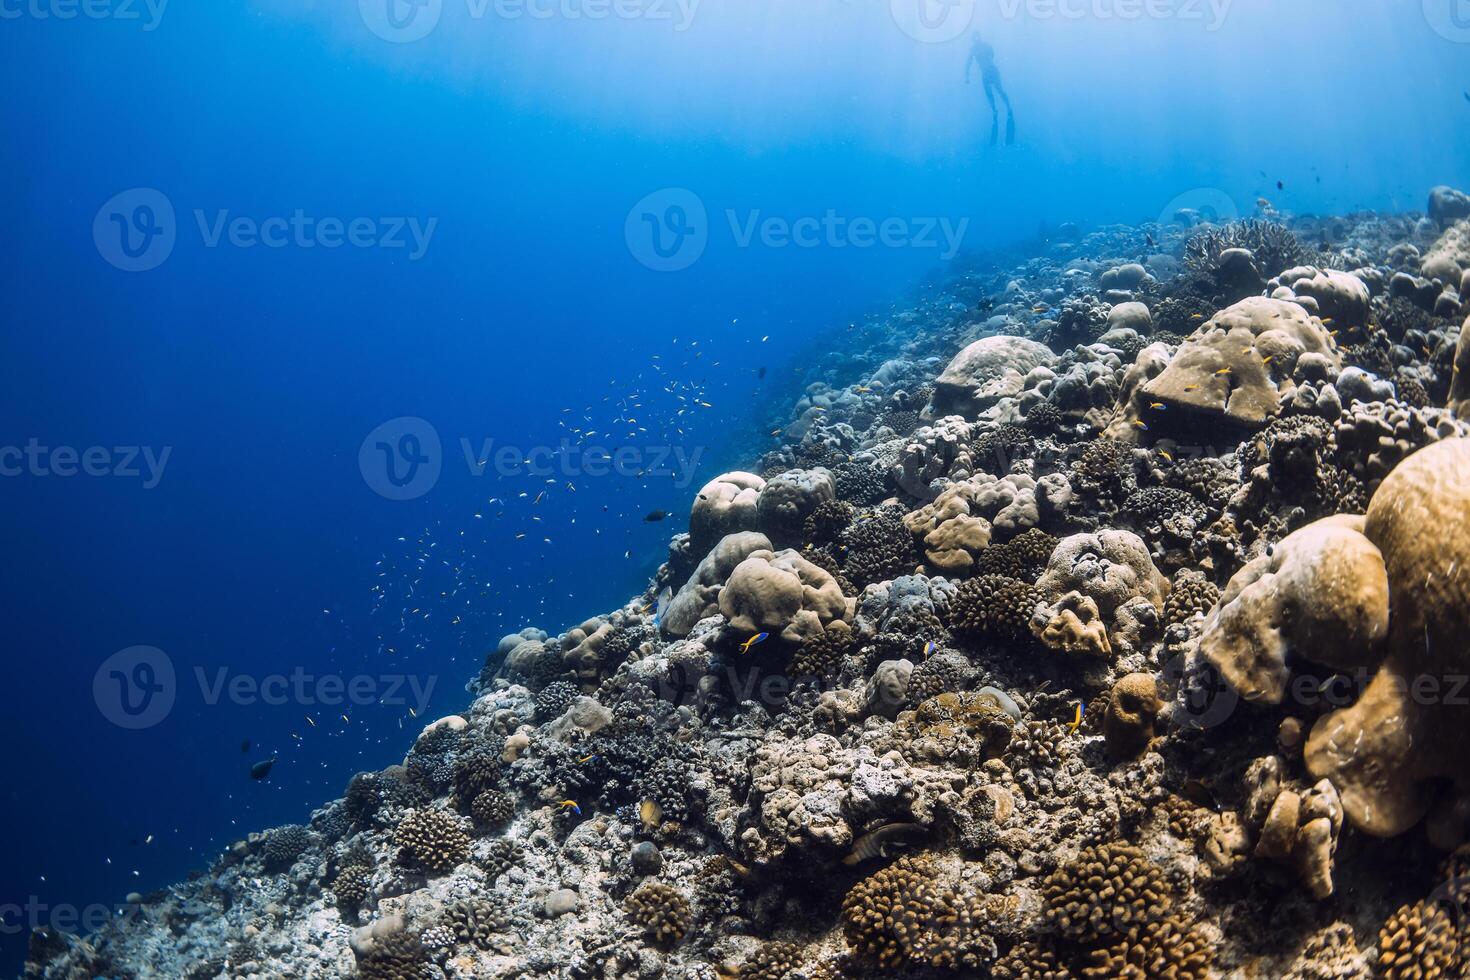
(1273, 246)
(661, 911)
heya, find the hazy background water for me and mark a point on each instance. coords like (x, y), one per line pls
(531, 147)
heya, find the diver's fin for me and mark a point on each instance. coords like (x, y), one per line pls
(1010, 130)
(995, 133)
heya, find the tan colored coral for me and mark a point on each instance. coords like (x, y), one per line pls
(782, 593)
(1239, 367)
(962, 727)
(1460, 383)
(1133, 707)
(700, 596)
(1111, 566)
(1384, 752)
(951, 535)
(1322, 591)
(1073, 624)
(662, 911)
(726, 505)
(1420, 942)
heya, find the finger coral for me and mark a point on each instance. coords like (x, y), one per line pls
(432, 840)
(662, 911)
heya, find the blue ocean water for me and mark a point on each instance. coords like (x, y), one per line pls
(250, 248)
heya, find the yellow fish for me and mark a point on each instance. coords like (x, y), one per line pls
(758, 638)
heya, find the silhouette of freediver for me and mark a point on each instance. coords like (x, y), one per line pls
(983, 55)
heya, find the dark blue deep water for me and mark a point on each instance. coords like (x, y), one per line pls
(241, 236)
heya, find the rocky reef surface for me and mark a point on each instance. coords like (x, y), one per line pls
(1101, 616)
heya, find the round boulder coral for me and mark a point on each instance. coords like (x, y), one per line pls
(781, 593)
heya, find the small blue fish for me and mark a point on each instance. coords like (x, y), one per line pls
(931, 648)
(571, 805)
(758, 638)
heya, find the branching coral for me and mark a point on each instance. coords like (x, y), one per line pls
(432, 840)
(1272, 245)
(662, 911)
(1105, 889)
(901, 916)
